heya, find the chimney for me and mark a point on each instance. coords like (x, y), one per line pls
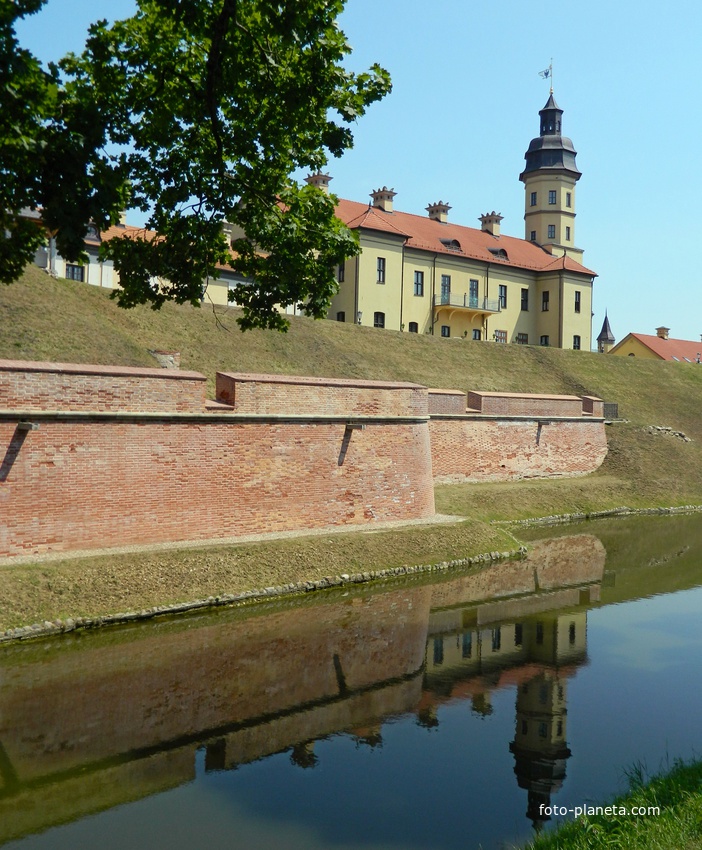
(321, 181)
(490, 222)
(662, 333)
(438, 212)
(382, 198)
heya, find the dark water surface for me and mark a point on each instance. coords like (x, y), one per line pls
(414, 715)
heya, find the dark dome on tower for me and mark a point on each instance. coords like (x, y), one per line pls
(550, 151)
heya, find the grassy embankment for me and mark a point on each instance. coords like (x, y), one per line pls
(678, 826)
(43, 319)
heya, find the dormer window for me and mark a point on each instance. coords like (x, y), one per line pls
(499, 253)
(92, 232)
(451, 244)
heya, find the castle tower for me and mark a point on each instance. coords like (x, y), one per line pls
(549, 179)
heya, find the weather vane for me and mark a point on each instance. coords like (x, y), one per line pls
(547, 74)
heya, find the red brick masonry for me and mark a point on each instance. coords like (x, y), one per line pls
(164, 466)
(94, 456)
(505, 436)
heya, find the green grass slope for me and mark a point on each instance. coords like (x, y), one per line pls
(46, 319)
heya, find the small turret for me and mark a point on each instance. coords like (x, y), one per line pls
(606, 338)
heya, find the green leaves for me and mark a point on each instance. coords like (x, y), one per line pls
(201, 110)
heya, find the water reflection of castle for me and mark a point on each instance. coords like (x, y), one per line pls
(537, 655)
(93, 721)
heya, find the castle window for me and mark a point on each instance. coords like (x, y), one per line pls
(496, 639)
(381, 269)
(576, 343)
(543, 730)
(378, 320)
(525, 300)
(567, 234)
(477, 335)
(577, 301)
(473, 293)
(341, 316)
(75, 272)
(499, 253)
(568, 199)
(571, 633)
(340, 272)
(543, 340)
(522, 339)
(92, 232)
(419, 283)
(467, 650)
(501, 336)
(502, 297)
(532, 200)
(544, 301)
(413, 328)
(532, 236)
(518, 634)
(552, 231)
(552, 196)
(539, 633)
(446, 330)
(445, 287)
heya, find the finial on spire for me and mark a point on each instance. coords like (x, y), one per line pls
(547, 74)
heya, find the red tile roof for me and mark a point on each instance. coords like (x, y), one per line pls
(426, 234)
(685, 350)
(128, 231)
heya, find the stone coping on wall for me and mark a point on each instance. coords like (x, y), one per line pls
(476, 416)
(306, 380)
(151, 416)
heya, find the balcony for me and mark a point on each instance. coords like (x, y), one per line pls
(467, 302)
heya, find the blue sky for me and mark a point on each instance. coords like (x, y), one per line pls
(465, 105)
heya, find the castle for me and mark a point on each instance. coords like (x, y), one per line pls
(425, 274)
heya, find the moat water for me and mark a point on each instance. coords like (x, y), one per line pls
(411, 716)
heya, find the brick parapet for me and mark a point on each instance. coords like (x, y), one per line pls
(523, 404)
(286, 394)
(446, 401)
(593, 406)
(30, 386)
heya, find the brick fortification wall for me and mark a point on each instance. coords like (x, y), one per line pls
(162, 465)
(506, 436)
(94, 456)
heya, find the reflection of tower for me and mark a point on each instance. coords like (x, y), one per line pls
(539, 745)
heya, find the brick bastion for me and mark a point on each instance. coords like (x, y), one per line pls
(105, 456)
(489, 436)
